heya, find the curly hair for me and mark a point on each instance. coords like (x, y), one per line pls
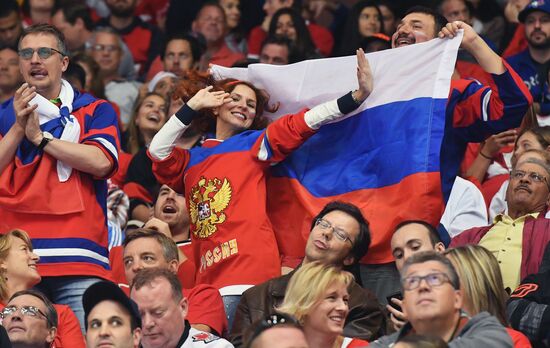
(193, 81)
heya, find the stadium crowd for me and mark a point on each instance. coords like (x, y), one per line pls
(134, 184)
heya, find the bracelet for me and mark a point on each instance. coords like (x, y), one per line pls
(485, 156)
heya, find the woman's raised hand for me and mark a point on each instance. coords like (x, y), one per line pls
(364, 77)
(207, 98)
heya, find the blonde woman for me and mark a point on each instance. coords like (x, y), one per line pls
(482, 286)
(317, 295)
(18, 270)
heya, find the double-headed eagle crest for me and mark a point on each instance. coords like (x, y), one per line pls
(208, 199)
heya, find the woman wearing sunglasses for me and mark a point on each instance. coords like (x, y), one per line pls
(18, 271)
(317, 295)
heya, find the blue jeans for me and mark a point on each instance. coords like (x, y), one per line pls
(230, 303)
(68, 290)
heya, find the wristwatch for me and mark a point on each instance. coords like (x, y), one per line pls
(46, 138)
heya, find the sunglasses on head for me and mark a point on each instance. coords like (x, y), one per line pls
(43, 52)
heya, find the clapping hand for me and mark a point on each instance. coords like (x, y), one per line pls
(21, 100)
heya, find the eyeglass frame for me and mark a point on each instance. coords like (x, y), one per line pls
(50, 49)
(338, 232)
(446, 279)
(8, 311)
(535, 177)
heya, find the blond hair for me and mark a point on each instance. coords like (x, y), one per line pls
(5, 246)
(308, 285)
(481, 279)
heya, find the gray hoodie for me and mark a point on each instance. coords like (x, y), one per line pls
(482, 330)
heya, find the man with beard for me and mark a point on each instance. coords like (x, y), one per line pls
(143, 39)
(531, 64)
(473, 112)
(11, 23)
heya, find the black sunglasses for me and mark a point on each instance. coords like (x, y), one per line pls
(43, 52)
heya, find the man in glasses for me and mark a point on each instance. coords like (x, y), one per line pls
(57, 149)
(106, 47)
(339, 236)
(518, 235)
(30, 320)
(432, 301)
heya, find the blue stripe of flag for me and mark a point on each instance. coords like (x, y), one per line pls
(377, 148)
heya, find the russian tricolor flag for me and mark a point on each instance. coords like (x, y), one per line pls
(384, 159)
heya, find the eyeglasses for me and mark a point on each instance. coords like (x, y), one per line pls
(520, 174)
(30, 311)
(338, 232)
(107, 48)
(433, 279)
(43, 52)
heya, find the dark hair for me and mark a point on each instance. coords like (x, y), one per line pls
(169, 247)
(197, 47)
(147, 276)
(487, 10)
(73, 11)
(425, 256)
(193, 81)
(363, 240)
(97, 89)
(46, 29)
(352, 37)
(51, 313)
(466, 3)
(75, 72)
(432, 231)
(8, 7)
(304, 44)
(267, 322)
(293, 55)
(419, 341)
(439, 20)
(8, 47)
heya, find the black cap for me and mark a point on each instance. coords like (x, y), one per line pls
(104, 291)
